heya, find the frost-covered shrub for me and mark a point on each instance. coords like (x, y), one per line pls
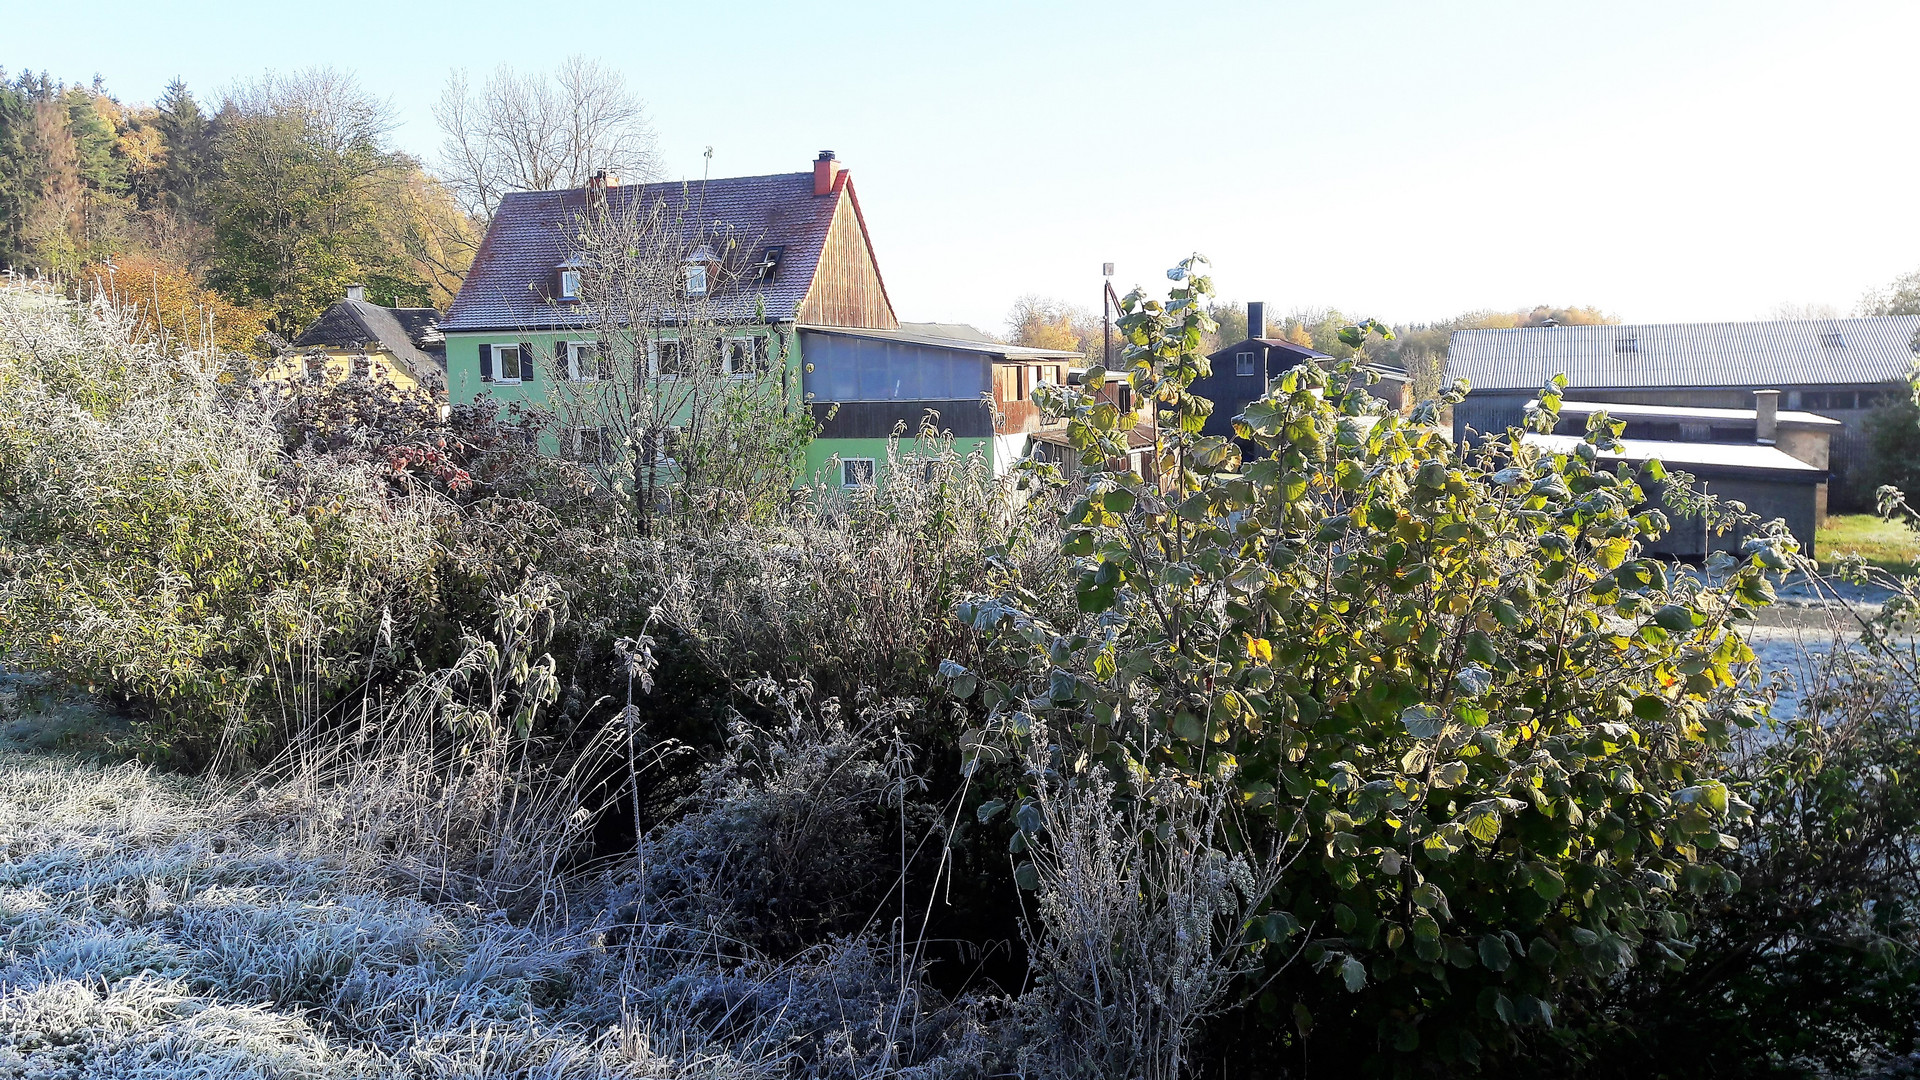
(157, 542)
(783, 843)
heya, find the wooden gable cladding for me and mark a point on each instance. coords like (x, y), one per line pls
(846, 288)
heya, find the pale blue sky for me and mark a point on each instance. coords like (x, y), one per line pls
(1663, 160)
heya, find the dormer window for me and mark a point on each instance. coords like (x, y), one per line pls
(699, 272)
(566, 281)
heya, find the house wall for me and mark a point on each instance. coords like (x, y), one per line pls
(846, 288)
(340, 362)
(824, 455)
(464, 384)
(1230, 392)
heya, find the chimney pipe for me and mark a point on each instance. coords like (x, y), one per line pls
(1256, 319)
(1766, 416)
(356, 292)
(826, 173)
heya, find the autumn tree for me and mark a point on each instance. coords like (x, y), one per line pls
(310, 196)
(1046, 323)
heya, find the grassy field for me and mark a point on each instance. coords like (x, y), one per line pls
(1886, 544)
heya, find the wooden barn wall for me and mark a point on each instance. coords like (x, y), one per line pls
(846, 287)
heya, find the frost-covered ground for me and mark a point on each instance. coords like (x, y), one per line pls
(152, 926)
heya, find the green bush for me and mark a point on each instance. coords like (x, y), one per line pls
(1448, 670)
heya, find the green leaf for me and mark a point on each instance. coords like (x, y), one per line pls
(1482, 820)
(1026, 876)
(1423, 721)
(1650, 707)
(1493, 953)
(1674, 619)
(991, 809)
(1353, 973)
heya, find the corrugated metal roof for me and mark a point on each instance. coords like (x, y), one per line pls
(1686, 412)
(528, 239)
(1685, 454)
(1795, 352)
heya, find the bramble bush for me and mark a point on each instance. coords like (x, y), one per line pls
(1447, 668)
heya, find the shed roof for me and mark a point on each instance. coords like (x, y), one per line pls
(1786, 417)
(939, 335)
(1282, 346)
(1751, 457)
(411, 335)
(1787, 352)
(528, 239)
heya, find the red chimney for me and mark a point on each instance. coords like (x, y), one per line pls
(826, 173)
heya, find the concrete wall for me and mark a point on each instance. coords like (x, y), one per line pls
(1796, 501)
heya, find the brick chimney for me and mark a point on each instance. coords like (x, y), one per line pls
(826, 173)
(1256, 319)
(357, 292)
(1766, 416)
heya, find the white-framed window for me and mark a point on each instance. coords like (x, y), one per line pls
(590, 444)
(696, 279)
(744, 356)
(569, 284)
(586, 362)
(856, 472)
(507, 362)
(667, 357)
(1243, 364)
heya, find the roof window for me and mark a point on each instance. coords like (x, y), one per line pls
(770, 262)
(1832, 340)
(1626, 344)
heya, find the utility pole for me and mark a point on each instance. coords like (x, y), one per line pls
(1106, 315)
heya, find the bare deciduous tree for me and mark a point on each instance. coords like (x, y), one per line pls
(538, 132)
(682, 393)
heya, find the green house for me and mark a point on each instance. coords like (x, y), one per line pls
(802, 285)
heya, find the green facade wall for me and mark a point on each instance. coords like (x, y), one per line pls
(464, 386)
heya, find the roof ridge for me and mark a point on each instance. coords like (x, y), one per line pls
(618, 188)
(1559, 327)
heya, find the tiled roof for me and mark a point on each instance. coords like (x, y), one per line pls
(412, 335)
(527, 240)
(1795, 352)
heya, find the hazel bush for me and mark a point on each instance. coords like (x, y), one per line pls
(1451, 670)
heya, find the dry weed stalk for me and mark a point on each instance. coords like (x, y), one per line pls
(1142, 922)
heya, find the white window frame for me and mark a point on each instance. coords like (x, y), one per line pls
(1243, 364)
(871, 473)
(580, 445)
(654, 368)
(726, 359)
(575, 373)
(519, 363)
(697, 272)
(569, 284)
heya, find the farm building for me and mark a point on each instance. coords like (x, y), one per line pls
(1840, 368)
